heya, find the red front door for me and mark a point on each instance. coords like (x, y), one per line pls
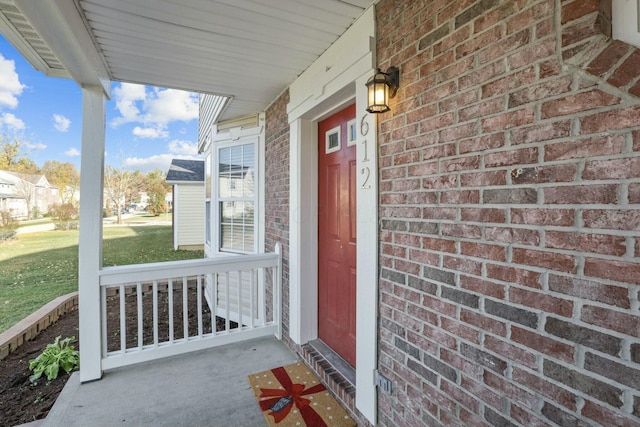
(337, 234)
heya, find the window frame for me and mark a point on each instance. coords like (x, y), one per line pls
(217, 199)
(327, 140)
(207, 191)
(626, 21)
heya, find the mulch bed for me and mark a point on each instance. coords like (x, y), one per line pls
(22, 402)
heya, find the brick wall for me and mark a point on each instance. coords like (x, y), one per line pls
(277, 191)
(510, 215)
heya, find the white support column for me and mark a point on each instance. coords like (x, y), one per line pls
(90, 241)
(303, 232)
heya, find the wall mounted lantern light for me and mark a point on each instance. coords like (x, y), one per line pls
(380, 88)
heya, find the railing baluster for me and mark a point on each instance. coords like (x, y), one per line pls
(123, 321)
(185, 308)
(103, 298)
(170, 292)
(240, 308)
(252, 297)
(227, 322)
(140, 322)
(262, 307)
(155, 313)
(277, 292)
(199, 301)
(214, 303)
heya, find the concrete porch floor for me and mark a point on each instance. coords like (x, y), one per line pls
(205, 388)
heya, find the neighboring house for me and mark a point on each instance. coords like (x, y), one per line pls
(24, 194)
(472, 255)
(187, 201)
(6, 194)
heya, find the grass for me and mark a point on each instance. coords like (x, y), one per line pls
(146, 218)
(38, 267)
(35, 222)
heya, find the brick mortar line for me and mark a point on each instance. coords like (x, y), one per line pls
(29, 327)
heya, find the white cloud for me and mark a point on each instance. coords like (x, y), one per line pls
(183, 147)
(37, 146)
(126, 96)
(168, 105)
(61, 123)
(177, 150)
(72, 152)
(153, 108)
(151, 133)
(11, 121)
(10, 86)
(160, 161)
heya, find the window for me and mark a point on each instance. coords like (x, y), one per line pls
(207, 200)
(332, 140)
(626, 21)
(352, 132)
(236, 197)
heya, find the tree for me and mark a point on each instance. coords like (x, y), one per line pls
(117, 185)
(26, 190)
(65, 176)
(13, 155)
(157, 189)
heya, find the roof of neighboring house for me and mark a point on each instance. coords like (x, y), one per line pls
(32, 178)
(182, 171)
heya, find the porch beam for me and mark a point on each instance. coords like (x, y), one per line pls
(90, 240)
(60, 25)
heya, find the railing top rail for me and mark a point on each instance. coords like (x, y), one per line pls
(171, 269)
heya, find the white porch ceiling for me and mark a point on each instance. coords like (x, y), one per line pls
(248, 50)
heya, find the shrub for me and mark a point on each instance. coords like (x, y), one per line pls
(64, 216)
(8, 225)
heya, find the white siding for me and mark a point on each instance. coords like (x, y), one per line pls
(189, 214)
(210, 107)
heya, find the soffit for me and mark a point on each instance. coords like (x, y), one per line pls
(247, 50)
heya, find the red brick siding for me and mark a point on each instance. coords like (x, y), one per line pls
(277, 191)
(510, 227)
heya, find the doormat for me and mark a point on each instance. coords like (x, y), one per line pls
(292, 396)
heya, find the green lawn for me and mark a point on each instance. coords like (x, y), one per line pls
(38, 267)
(146, 218)
(35, 222)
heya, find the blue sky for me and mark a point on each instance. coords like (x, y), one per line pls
(146, 126)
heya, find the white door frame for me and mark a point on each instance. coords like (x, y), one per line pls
(333, 82)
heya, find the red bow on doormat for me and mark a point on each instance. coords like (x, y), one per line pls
(283, 400)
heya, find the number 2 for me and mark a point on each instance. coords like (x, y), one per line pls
(367, 174)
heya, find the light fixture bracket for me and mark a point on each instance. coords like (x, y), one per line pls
(393, 80)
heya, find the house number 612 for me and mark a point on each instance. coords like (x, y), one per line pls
(364, 130)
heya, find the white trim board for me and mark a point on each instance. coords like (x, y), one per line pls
(334, 81)
(626, 21)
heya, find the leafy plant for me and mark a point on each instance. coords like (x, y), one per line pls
(55, 356)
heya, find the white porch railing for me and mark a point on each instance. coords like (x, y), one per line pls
(151, 311)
